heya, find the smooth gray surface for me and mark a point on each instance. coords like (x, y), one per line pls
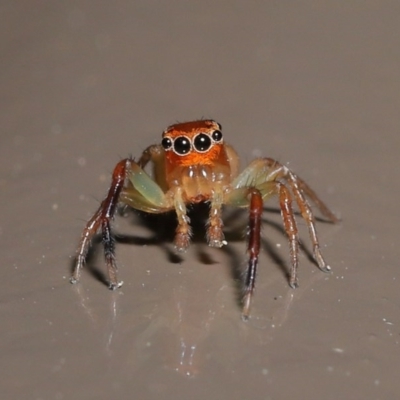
(313, 84)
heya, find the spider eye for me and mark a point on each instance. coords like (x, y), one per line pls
(217, 136)
(202, 142)
(166, 143)
(182, 145)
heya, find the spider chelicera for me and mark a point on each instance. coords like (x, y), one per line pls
(193, 164)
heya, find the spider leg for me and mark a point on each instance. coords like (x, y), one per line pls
(269, 177)
(183, 231)
(267, 170)
(109, 254)
(308, 217)
(102, 217)
(289, 222)
(316, 200)
(90, 230)
(253, 248)
(215, 236)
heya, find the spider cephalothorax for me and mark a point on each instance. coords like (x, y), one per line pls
(194, 164)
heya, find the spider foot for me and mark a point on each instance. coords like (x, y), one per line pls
(73, 280)
(217, 243)
(114, 286)
(326, 268)
(76, 273)
(215, 236)
(246, 305)
(293, 276)
(180, 250)
(293, 285)
(322, 265)
(181, 242)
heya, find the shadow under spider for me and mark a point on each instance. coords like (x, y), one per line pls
(162, 228)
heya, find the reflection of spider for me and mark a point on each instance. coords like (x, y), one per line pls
(192, 165)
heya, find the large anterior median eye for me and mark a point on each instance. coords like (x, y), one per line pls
(182, 145)
(202, 142)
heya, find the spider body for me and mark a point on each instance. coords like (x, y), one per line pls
(193, 164)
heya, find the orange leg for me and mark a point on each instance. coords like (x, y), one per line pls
(103, 217)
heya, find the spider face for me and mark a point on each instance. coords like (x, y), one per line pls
(193, 143)
(193, 164)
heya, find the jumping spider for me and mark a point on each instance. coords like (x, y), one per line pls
(193, 164)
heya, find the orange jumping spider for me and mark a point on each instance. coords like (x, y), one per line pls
(193, 164)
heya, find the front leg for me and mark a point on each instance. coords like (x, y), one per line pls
(183, 230)
(215, 235)
(102, 218)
